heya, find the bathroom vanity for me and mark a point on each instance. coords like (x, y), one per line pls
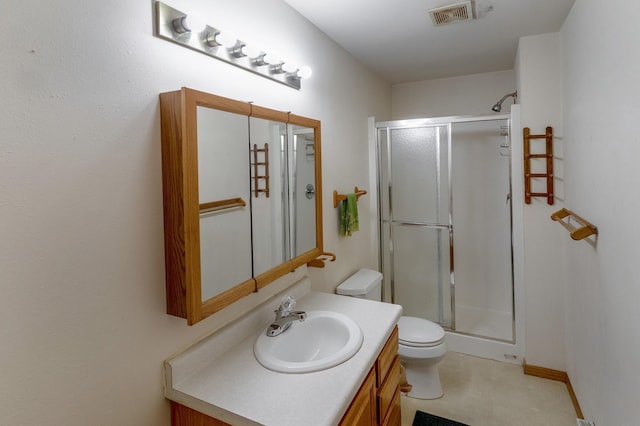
(233, 241)
(218, 381)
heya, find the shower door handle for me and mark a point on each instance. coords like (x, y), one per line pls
(309, 191)
(508, 198)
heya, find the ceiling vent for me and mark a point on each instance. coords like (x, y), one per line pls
(458, 12)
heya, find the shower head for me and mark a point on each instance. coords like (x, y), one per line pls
(498, 106)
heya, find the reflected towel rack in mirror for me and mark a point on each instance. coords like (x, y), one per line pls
(339, 197)
(215, 206)
(256, 167)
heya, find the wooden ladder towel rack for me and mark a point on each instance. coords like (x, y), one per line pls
(528, 156)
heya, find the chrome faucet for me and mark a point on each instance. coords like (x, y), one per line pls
(285, 316)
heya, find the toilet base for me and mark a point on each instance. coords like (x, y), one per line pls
(424, 379)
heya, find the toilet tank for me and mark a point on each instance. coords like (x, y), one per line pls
(365, 284)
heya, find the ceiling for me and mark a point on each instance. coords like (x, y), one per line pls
(397, 40)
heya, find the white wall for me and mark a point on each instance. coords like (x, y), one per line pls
(84, 331)
(602, 145)
(464, 95)
(539, 92)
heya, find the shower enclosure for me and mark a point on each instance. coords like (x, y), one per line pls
(446, 241)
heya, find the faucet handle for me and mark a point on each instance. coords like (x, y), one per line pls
(288, 303)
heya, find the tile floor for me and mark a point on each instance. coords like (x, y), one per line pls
(482, 392)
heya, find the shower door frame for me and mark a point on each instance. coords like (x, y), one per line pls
(442, 122)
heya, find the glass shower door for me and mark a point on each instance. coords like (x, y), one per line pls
(416, 224)
(481, 188)
(445, 194)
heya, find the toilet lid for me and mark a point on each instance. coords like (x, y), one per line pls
(419, 332)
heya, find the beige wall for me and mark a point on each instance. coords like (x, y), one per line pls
(601, 109)
(84, 331)
(464, 95)
(539, 92)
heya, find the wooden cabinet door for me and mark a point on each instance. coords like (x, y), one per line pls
(389, 390)
(185, 416)
(362, 411)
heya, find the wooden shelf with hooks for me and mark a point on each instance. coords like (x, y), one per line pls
(577, 233)
(340, 197)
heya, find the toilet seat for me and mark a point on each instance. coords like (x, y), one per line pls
(419, 332)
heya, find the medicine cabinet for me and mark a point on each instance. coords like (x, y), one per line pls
(242, 198)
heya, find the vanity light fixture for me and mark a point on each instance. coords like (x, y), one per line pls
(188, 30)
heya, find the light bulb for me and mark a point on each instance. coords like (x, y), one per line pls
(304, 72)
(179, 25)
(194, 23)
(251, 51)
(226, 39)
(289, 67)
(271, 59)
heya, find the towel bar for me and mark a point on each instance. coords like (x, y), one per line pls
(576, 233)
(339, 197)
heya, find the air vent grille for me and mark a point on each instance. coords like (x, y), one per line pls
(458, 12)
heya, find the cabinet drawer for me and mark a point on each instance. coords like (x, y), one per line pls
(394, 414)
(387, 356)
(390, 387)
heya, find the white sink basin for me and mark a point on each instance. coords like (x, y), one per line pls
(324, 340)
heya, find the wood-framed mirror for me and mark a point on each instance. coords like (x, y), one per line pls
(242, 194)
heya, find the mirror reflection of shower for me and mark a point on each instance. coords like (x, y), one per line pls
(303, 206)
(498, 105)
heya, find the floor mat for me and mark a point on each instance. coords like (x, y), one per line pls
(426, 419)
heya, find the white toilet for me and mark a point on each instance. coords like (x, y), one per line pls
(421, 342)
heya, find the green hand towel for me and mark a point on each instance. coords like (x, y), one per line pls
(349, 215)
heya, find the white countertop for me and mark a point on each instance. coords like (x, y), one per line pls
(235, 388)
